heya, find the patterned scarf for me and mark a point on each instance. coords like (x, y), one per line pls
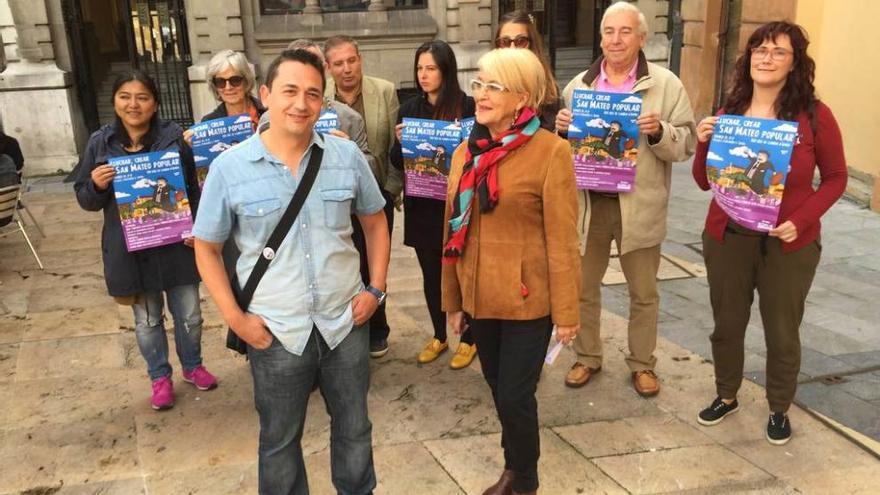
(480, 175)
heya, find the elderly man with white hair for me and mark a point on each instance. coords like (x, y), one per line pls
(636, 220)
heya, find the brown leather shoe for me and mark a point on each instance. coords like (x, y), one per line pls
(504, 485)
(646, 383)
(579, 375)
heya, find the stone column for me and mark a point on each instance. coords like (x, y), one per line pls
(28, 48)
(375, 6)
(37, 100)
(312, 7)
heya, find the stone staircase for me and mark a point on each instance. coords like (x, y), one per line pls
(570, 61)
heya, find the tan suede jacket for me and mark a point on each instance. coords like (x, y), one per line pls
(520, 260)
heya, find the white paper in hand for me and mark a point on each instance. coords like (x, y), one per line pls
(554, 350)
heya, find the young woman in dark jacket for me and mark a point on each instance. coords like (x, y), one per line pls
(441, 98)
(143, 276)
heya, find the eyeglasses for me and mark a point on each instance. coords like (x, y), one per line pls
(777, 54)
(220, 82)
(491, 88)
(519, 41)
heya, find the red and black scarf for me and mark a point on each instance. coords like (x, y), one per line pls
(480, 176)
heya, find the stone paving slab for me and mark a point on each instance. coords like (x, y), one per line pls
(76, 417)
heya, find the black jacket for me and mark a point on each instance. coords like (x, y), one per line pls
(423, 217)
(220, 111)
(152, 269)
(9, 146)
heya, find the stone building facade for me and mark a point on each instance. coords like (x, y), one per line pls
(60, 56)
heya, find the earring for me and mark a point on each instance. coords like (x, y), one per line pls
(515, 118)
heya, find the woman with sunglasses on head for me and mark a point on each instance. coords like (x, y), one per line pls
(517, 30)
(440, 98)
(511, 248)
(145, 279)
(774, 80)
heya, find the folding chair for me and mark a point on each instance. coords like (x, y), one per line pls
(10, 206)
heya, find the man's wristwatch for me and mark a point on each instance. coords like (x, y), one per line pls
(376, 292)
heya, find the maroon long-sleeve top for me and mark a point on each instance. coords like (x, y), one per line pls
(801, 204)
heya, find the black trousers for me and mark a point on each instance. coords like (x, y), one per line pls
(430, 260)
(378, 322)
(511, 355)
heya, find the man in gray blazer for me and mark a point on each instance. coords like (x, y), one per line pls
(376, 101)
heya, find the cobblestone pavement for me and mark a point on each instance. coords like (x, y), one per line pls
(75, 415)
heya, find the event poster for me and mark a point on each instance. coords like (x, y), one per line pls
(151, 198)
(427, 147)
(328, 121)
(604, 139)
(747, 165)
(467, 125)
(212, 137)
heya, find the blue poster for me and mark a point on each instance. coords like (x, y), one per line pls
(150, 192)
(328, 121)
(212, 137)
(427, 147)
(604, 139)
(747, 165)
(467, 125)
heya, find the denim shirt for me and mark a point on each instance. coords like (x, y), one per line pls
(315, 273)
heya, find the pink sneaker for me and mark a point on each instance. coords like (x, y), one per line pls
(200, 378)
(163, 394)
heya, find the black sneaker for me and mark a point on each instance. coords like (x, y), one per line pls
(716, 412)
(378, 348)
(778, 429)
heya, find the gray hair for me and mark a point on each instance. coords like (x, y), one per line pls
(237, 61)
(305, 44)
(624, 6)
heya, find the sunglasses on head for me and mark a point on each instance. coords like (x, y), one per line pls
(519, 41)
(234, 81)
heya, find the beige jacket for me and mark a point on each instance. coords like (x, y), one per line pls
(643, 211)
(380, 116)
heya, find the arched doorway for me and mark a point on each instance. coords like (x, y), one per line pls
(109, 37)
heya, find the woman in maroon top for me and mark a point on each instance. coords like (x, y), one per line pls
(774, 80)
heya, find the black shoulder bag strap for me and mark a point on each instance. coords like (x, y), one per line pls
(243, 297)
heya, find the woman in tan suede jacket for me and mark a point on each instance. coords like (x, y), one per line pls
(511, 251)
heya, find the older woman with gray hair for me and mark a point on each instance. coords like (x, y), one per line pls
(231, 80)
(511, 248)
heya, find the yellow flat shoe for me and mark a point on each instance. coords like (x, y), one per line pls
(463, 356)
(432, 351)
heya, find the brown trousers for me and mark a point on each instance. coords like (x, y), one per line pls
(640, 269)
(743, 263)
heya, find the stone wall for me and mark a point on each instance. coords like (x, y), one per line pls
(38, 105)
(699, 55)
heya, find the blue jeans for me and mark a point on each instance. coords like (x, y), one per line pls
(282, 385)
(149, 328)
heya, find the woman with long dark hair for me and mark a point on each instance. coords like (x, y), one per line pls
(440, 98)
(517, 29)
(773, 80)
(143, 279)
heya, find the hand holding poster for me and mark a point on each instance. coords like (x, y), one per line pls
(151, 198)
(747, 165)
(604, 139)
(212, 137)
(427, 147)
(328, 121)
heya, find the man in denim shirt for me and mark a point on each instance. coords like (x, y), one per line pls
(306, 322)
